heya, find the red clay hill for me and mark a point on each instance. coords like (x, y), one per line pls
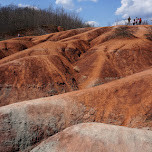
(125, 102)
(99, 75)
(42, 66)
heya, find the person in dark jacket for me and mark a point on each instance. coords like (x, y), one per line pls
(129, 19)
(134, 22)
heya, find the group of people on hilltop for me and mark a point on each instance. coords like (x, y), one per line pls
(136, 21)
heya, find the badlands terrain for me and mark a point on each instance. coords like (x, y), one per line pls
(81, 90)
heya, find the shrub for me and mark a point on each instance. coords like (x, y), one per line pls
(123, 32)
(120, 32)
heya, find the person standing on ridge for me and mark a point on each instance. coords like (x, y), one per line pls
(140, 20)
(136, 21)
(129, 19)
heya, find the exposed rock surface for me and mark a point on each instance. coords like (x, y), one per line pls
(97, 137)
(126, 102)
(70, 60)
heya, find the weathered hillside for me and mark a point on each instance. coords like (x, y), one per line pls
(124, 102)
(99, 75)
(34, 67)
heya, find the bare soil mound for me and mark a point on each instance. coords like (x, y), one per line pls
(34, 77)
(9, 47)
(95, 137)
(42, 66)
(124, 102)
(107, 73)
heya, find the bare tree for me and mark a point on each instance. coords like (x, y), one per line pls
(14, 19)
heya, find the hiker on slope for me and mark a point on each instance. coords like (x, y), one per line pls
(140, 20)
(129, 19)
(134, 22)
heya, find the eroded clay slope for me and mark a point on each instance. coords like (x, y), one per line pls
(124, 102)
(72, 60)
(12, 46)
(35, 77)
(9, 47)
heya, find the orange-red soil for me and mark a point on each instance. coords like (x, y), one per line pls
(107, 73)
